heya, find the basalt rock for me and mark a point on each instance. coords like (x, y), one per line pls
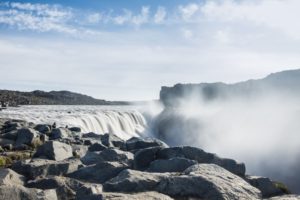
(265, 185)
(193, 153)
(27, 136)
(108, 155)
(54, 150)
(202, 181)
(41, 167)
(59, 133)
(66, 188)
(98, 173)
(136, 143)
(170, 165)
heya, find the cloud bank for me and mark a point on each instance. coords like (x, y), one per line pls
(146, 47)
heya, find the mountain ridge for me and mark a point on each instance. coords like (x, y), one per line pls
(284, 81)
(63, 97)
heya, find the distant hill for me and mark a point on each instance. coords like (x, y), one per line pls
(283, 82)
(38, 97)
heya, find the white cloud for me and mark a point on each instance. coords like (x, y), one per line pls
(121, 19)
(188, 34)
(276, 14)
(188, 11)
(36, 17)
(212, 41)
(160, 15)
(141, 18)
(94, 18)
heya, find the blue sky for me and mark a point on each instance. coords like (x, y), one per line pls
(127, 50)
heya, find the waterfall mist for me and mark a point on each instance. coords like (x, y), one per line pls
(261, 130)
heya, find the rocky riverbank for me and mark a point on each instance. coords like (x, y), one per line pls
(40, 161)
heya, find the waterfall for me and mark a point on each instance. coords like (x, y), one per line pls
(123, 121)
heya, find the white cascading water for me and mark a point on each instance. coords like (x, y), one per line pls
(123, 121)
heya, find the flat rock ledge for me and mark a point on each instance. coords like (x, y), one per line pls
(43, 162)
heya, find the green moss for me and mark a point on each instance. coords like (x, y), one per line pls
(282, 187)
(5, 161)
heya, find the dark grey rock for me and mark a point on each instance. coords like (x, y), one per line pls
(131, 181)
(90, 141)
(197, 154)
(12, 135)
(43, 128)
(41, 167)
(111, 140)
(75, 129)
(5, 142)
(136, 143)
(108, 155)
(171, 165)
(27, 136)
(60, 133)
(265, 185)
(66, 188)
(286, 197)
(97, 147)
(54, 150)
(92, 135)
(201, 181)
(144, 157)
(98, 173)
(18, 192)
(122, 196)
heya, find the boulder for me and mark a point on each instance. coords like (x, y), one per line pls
(214, 181)
(265, 185)
(98, 173)
(144, 157)
(171, 165)
(108, 155)
(136, 143)
(111, 140)
(41, 167)
(18, 192)
(12, 135)
(12, 125)
(9, 177)
(60, 133)
(54, 150)
(197, 154)
(91, 135)
(202, 181)
(27, 136)
(43, 128)
(132, 181)
(75, 129)
(122, 196)
(286, 197)
(66, 188)
(90, 141)
(97, 147)
(6, 142)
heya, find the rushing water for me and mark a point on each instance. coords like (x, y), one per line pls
(123, 121)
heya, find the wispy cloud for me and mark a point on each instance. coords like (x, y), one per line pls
(160, 15)
(194, 42)
(188, 11)
(36, 17)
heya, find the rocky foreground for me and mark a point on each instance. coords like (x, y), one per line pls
(48, 163)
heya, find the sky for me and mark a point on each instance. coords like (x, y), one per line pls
(128, 49)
